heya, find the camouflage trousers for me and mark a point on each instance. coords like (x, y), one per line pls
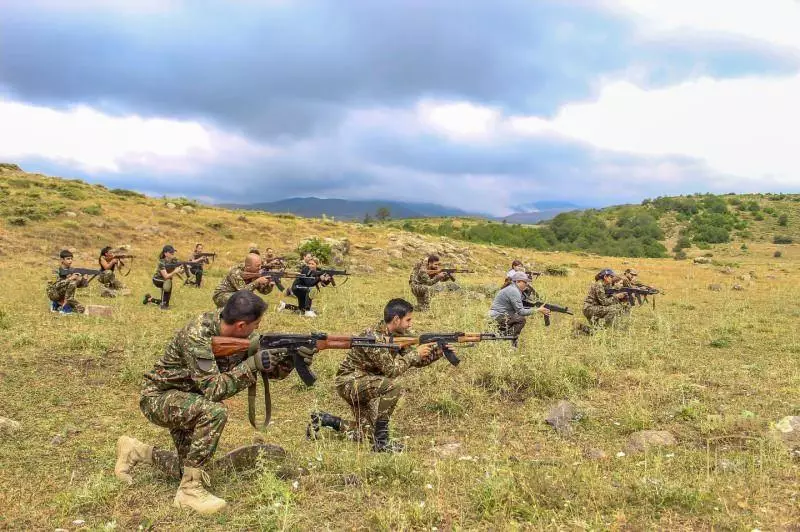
(109, 280)
(605, 315)
(194, 422)
(63, 293)
(423, 294)
(371, 398)
(510, 324)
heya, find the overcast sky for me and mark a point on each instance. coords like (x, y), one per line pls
(480, 104)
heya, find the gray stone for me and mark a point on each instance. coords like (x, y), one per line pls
(701, 260)
(58, 439)
(737, 287)
(188, 209)
(70, 214)
(9, 426)
(715, 287)
(560, 416)
(595, 454)
(447, 449)
(787, 430)
(726, 466)
(171, 205)
(645, 439)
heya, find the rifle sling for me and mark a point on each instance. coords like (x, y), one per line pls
(251, 403)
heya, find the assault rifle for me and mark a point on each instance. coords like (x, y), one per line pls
(634, 294)
(449, 272)
(82, 271)
(445, 338)
(549, 306)
(232, 351)
(205, 256)
(275, 276)
(120, 256)
(331, 273)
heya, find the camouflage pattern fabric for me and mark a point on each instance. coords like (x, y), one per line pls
(601, 308)
(366, 380)
(162, 265)
(109, 280)
(233, 282)
(421, 285)
(184, 390)
(62, 291)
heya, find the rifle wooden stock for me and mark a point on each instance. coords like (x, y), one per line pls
(225, 346)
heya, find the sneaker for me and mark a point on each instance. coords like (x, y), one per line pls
(310, 314)
(66, 309)
(146, 299)
(54, 306)
(281, 306)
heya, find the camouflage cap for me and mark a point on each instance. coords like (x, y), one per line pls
(631, 271)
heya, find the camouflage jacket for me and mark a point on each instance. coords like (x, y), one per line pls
(234, 281)
(419, 275)
(189, 365)
(627, 283)
(63, 273)
(162, 265)
(365, 361)
(597, 296)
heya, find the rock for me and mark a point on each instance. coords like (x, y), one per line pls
(78, 522)
(395, 253)
(171, 205)
(9, 426)
(99, 310)
(560, 416)
(595, 454)
(701, 260)
(737, 287)
(389, 269)
(188, 209)
(726, 466)
(744, 277)
(787, 430)
(753, 275)
(641, 441)
(58, 439)
(70, 214)
(727, 270)
(447, 449)
(715, 287)
(70, 430)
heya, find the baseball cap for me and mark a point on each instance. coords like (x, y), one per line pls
(632, 271)
(519, 276)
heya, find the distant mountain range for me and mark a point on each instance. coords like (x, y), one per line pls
(343, 209)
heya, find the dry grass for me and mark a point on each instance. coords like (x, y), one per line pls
(714, 368)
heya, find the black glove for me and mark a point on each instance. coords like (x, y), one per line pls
(261, 361)
(307, 353)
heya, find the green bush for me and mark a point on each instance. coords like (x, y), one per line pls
(783, 220)
(680, 255)
(19, 221)
(126, 193)
(777, 254)
(782, 239)
(93, 210)
(316, 247)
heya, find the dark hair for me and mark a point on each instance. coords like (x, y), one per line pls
(105, 250)
(516, 263)
(433, 258)
(603, 273)
(255, 251)
(65, 253)
(198, 245)
(243, 305)
(396, 307)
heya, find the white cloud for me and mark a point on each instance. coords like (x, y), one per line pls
(95, 142)
(773, 21)
(741, 128)
(459, 120)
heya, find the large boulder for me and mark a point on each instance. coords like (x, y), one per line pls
(701, 260)
(8, 426)
(787, 430)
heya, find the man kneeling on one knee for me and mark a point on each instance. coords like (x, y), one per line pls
(184, 393)
(507, 309)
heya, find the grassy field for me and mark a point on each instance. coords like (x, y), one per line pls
(715, 368)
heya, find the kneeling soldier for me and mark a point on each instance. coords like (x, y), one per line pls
(108, 264)
(235, 280)
(61, 292)
(184, 393)
(601, 308)
(507, 308)
(366, 380)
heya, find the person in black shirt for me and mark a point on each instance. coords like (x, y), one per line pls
(302, 286)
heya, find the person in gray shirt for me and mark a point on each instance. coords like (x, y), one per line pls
(507, 309)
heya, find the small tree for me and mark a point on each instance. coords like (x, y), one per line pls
(367, 219)
(783, 220)
(382, 214)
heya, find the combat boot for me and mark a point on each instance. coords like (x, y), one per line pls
(130, 452)
(381, 442)
(322, 419)
(192, 493)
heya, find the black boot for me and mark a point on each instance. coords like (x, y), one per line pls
(382, 443)
(149, 299)
(198, 278)
(322, 419)
(165, 300)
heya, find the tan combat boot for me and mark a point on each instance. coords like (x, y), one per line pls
(192, 494)
(130, 452)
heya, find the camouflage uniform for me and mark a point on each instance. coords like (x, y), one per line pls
(109, 280)
(233, 282)
(599, 307)
(62, 290)
(422, 285)
(366, 381)
(185, 389)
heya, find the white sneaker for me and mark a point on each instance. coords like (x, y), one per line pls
(281, 306)
(310, 314)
